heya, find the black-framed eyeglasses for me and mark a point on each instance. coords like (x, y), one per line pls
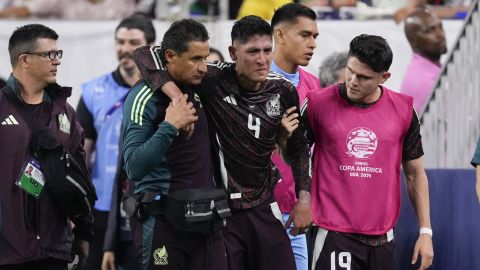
(50, 54)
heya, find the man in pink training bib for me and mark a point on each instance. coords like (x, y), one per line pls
(363, 133)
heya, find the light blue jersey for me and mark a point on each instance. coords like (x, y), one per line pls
(104, 98)
(293, 78)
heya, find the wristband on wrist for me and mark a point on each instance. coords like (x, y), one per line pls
(426, 230)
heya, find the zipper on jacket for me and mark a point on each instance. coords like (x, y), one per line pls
(67, 158)
(37, 219)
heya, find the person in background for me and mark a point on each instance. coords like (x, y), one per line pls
(119, 252)
(100, 112)
(332, 69)
(160, 9)
(34, 234)
(452, 9)
(424, 32)
(295, 32)
(71, 10)
(215, 55)
(262, 8)
(329, 3)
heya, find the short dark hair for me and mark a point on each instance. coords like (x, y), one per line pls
(220, 55)
(180, 34)
(373, 51)
(249, 26)
(24, 39)
(290, 12)
(140, 22)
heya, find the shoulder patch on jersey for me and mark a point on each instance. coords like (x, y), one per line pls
(141, 98)
(155, 51)
(304, 106)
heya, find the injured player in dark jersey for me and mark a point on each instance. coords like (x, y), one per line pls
(245, 104)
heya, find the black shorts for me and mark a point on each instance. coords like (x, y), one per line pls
(255, 239)
(160, 246)
(342, 251)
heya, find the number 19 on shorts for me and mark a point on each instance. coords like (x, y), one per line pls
(344, 260)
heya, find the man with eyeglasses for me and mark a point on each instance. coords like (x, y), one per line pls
(33, 234)
(51, 55)
(100, 112)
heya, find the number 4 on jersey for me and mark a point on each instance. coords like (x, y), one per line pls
(254, 126)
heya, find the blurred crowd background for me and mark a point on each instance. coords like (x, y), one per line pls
(224, 9)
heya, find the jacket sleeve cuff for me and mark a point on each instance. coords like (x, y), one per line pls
(168, 128)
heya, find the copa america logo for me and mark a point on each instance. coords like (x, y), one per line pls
(361, 142)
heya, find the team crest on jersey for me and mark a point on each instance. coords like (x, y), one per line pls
(273, 106)
(64, 123)
(361, 142)
(160, 256)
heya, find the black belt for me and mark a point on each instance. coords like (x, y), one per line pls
(154, 208)
(370, 240)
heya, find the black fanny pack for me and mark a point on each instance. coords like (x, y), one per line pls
(201, 211)
(68, 181)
